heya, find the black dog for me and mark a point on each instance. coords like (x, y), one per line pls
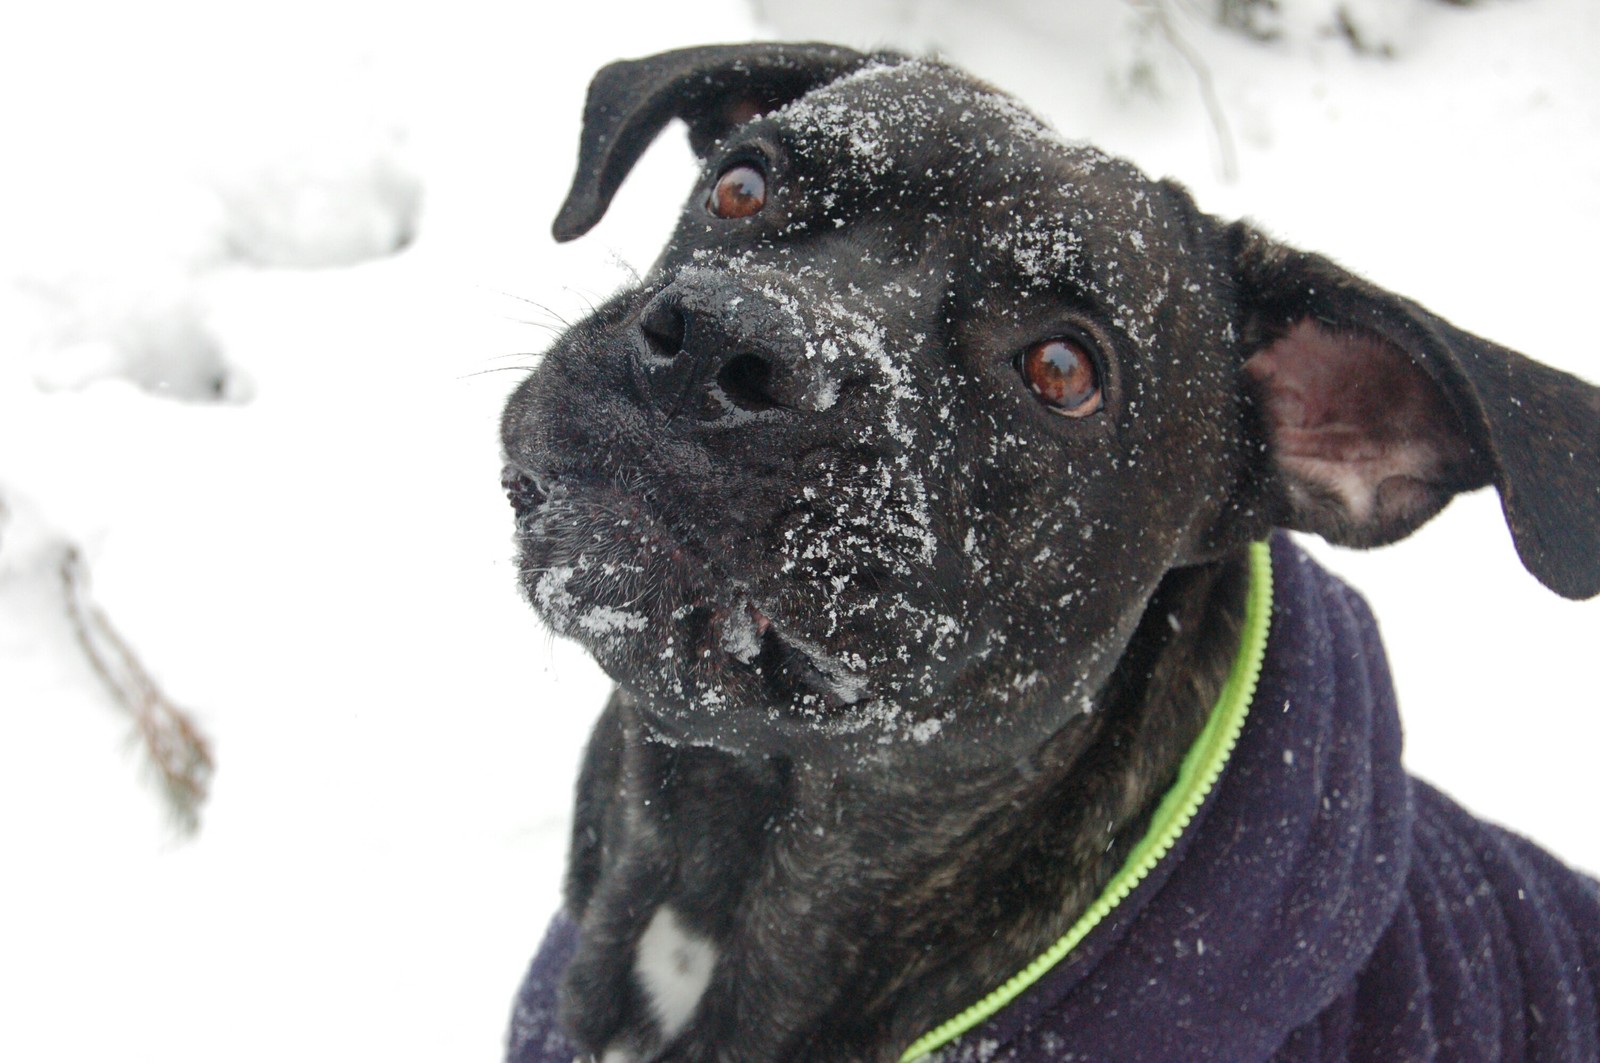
(909, 501)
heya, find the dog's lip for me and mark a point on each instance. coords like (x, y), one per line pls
(785, 659)
(744, 630)
(750, 636)
(525, 490)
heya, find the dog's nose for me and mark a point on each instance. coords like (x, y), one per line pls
(710, 346)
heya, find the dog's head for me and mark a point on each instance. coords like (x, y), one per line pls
(921, 403)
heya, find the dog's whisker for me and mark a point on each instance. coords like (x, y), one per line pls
(561, 321)
(587, 297)
(553, 329)
(519, 354)
(497, 369)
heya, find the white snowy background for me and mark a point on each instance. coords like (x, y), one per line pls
(274, 442)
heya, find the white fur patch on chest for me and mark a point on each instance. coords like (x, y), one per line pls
(674, 966)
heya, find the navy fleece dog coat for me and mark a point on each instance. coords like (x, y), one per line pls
(1322, 906)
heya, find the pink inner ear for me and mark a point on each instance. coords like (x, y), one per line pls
(742, 110)
(1352, 416)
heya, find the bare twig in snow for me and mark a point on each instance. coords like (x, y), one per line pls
(1227, 155)
(176, 748)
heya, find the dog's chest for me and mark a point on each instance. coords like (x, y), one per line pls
(673, 966)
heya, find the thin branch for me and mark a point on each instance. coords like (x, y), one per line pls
(177, 750)
(1228, 158)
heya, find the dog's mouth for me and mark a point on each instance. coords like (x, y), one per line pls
(785, 663)
(525, 491)
(645, 601)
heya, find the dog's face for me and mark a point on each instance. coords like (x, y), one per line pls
(893, 444)
(880, 415)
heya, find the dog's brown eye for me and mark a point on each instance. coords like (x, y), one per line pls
(740, 192)
(1062, 375)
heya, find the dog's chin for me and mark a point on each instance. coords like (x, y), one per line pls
(708, 663)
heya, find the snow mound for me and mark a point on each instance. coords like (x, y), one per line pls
(176, 145)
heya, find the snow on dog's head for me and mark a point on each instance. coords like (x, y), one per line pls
(921, 403)
(814, 460)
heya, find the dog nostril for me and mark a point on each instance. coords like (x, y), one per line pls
(664, 327)
(746, 380)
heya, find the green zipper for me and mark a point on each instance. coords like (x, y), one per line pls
(1198, 774)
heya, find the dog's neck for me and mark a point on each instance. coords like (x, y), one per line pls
(778, 910)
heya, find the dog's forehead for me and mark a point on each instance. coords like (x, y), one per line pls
(885, 114)
(917, 130)
(872, 109)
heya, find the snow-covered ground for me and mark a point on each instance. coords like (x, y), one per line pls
(274, 442)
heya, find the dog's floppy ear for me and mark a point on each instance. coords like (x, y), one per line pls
(712, 88)
(1378, 412)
